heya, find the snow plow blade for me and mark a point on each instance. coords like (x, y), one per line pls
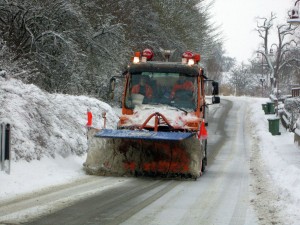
(116, 153)
(144, 135)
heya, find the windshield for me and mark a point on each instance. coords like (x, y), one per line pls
(175, 89)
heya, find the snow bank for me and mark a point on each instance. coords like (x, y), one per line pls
(46, 124)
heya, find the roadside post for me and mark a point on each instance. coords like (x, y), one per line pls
(2, 144)
(5, 146)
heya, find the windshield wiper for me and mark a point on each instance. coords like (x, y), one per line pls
(173, 105)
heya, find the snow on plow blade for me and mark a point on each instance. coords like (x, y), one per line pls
(166, 154)
(144, 135)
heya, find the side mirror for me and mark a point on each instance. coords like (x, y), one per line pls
(215, 90)
(215, 100)
(112, 85)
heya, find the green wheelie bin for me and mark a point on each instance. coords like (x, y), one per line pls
(274, 126)
(271, 107)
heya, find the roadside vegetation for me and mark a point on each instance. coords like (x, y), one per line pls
(74, 46)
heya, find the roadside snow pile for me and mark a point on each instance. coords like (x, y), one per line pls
(46, 124)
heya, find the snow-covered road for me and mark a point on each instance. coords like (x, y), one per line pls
(221, 196)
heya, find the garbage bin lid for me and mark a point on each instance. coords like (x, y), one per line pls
(274, 118)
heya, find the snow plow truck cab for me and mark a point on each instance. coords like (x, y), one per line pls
(161, 131)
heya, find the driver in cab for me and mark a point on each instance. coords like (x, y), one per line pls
(182, 85)
(143, 88)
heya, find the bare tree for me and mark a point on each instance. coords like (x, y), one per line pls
(241, 80)
(276, 59)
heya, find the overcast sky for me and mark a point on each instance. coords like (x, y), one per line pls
(237, 18)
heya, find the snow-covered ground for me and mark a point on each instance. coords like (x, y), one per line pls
(49, 142)
(281, 158)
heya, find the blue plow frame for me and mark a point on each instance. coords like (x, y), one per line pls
(144, 135)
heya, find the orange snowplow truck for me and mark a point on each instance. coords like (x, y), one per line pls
(162, 129)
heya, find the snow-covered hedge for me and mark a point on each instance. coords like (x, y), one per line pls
(46, 124)
(292, 106)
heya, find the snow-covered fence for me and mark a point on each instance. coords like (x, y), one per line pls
(286, 118)
(292, 110)
(291, 115)
(297, 132)
(295, 92)
(5, 146)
